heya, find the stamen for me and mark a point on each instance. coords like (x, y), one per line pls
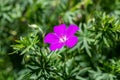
(63, 39)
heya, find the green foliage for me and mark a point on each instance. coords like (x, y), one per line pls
(24, 23)
(98, 75)
(26, 43)
(112, 67)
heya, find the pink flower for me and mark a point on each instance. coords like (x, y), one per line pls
(62, 36)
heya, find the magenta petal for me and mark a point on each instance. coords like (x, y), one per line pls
(72, 29)
(71, 41)
(60, 29)
(55, 46)
(51, 38)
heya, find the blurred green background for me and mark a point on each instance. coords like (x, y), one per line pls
(17, 15)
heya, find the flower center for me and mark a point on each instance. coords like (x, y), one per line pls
(63, 39)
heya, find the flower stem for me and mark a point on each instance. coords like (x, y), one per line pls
(64, 70)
